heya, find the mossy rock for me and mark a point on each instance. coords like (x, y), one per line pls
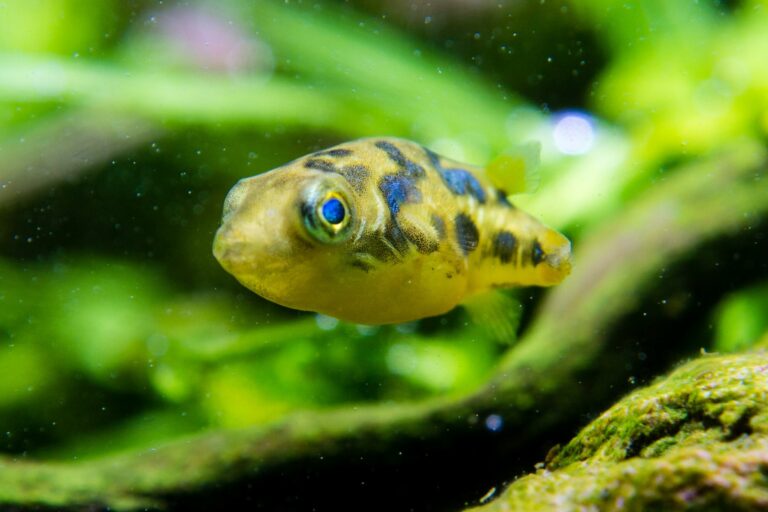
(694, 440)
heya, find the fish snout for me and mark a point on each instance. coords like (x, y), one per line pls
(560, 257)
(557, 257)
(228, 247)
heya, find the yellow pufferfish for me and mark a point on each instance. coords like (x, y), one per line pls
(382, 230)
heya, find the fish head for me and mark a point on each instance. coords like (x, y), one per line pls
(282, 233)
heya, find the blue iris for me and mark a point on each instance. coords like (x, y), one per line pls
(333, 211)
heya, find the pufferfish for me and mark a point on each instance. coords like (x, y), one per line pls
(383, 230)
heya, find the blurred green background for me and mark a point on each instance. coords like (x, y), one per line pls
(124, 124)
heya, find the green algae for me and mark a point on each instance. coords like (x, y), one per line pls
(695, 440)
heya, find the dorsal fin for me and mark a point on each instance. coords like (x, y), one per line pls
(517, 170)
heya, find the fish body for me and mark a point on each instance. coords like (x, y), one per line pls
(382, 230)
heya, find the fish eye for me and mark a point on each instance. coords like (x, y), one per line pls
(327, 218)
(333, 211)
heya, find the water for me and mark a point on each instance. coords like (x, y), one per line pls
(122, 128)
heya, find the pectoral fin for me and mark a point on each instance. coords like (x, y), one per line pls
(496, 313)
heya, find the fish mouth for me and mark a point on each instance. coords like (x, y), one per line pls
(557, 265)
(228, 249)
(242, 258)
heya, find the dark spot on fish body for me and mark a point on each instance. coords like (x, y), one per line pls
(424, 244)
(396, 238)
(357, 177)
(467, 234)
(461, 182)
(434, 159)
(409, 168)
(387, 246)
(455, 182)
(501, 197)
(458, 181)
(320, 165)
(395, 192)
(334, 153)
(398, 190)
(414, 170)
(393, 152)
(537, 253)
(504, 246)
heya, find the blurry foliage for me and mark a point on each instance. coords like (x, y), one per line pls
(529, 47)
(742, 319)
(57, 26)
(204, 354)
(115, 321)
